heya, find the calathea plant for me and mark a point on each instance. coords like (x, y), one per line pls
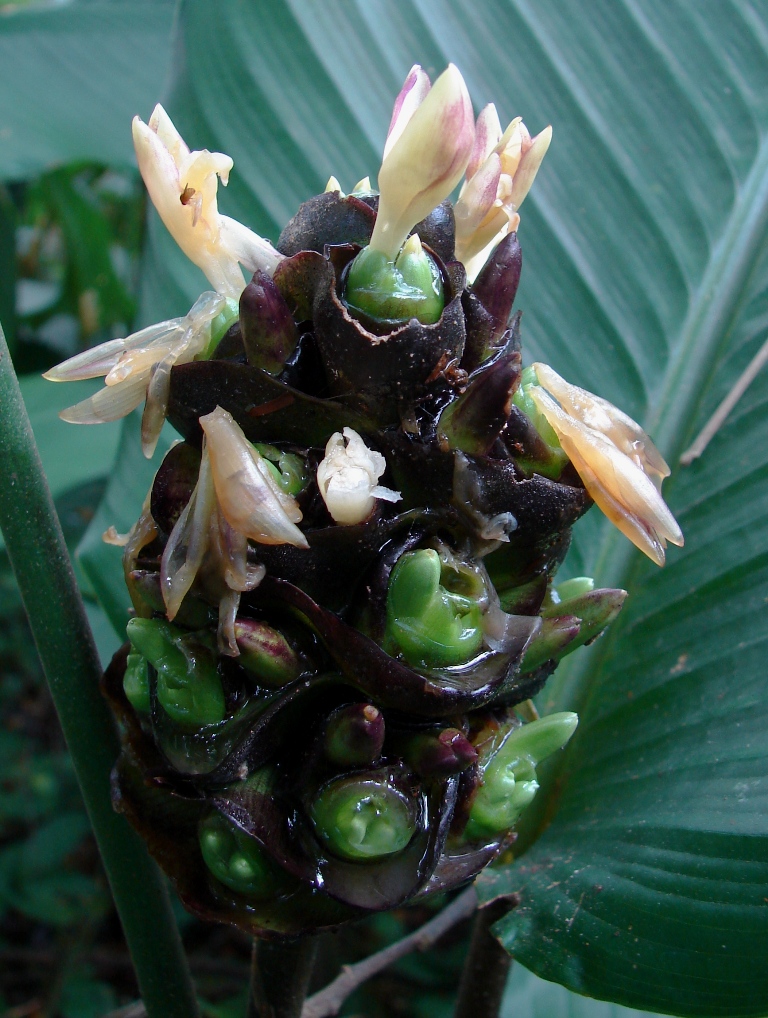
(344, 576)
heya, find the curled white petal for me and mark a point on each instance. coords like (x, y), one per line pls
(250, 500)
(347, 478)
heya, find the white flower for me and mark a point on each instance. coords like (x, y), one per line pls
(620, 466)
(347, 478)
(236, 498)
(139, 368)
(430, 141)
(183, 186)
(499, 175)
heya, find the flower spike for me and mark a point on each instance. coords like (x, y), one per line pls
(183, 186)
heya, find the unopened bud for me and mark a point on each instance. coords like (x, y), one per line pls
(188, 685)
(266, 653)
(440, 754)
(363, 818)
(509, 774)
(432, 624)
(389, 293)
(269, 331)
(354, 735)
(236, 859)
(136, 683)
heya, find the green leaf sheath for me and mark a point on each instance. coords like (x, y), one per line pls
(44, 574)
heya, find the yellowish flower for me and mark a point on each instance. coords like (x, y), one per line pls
(499, 175)
(183, 186)
(236, 498)
(620, 466)
(430, 141)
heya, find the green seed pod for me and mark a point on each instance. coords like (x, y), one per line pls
(354, 735)
(266, 653)
(188, 685)
(434, 625)
(574, 587)
(136, 683)
(509, 773)
(235, 859)
(363, 818)
(391, 293)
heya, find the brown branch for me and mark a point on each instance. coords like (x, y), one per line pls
(718, 418)
(329, 1000)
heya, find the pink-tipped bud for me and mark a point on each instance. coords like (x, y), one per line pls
(426, 161)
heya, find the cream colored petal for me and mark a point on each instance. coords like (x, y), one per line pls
(163, 127)
(100, 360)
(246, 498)
(425, 163)
(411, 96)
(110, 403)
(487, 135)
(247, 247)
(347, 476)
(189, 541)
(598, 413)
(529, 166)
(607, 471)
(476, 201)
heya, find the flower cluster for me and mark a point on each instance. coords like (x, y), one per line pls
(343, 576)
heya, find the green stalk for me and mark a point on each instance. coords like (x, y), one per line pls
(68, 654)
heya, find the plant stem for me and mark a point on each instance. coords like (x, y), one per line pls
(280, 973)
(68, 655)
(329, 1000)
(486, 968)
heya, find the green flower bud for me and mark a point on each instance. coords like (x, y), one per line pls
(549, 460)
(434, 623)
(288, 469)
(594, 609)
(220, 324)
(574, 587)
(236, 859)
(363, 818)
(188, 685)
(439, 754)
(354, 735)
(266, 652)
(392, 293)
(136, 683)
(553, 640)
(509, 773)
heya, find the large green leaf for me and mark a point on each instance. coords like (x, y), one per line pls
(73, 74)
(646, 274)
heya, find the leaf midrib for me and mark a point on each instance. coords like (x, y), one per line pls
(671, 419)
